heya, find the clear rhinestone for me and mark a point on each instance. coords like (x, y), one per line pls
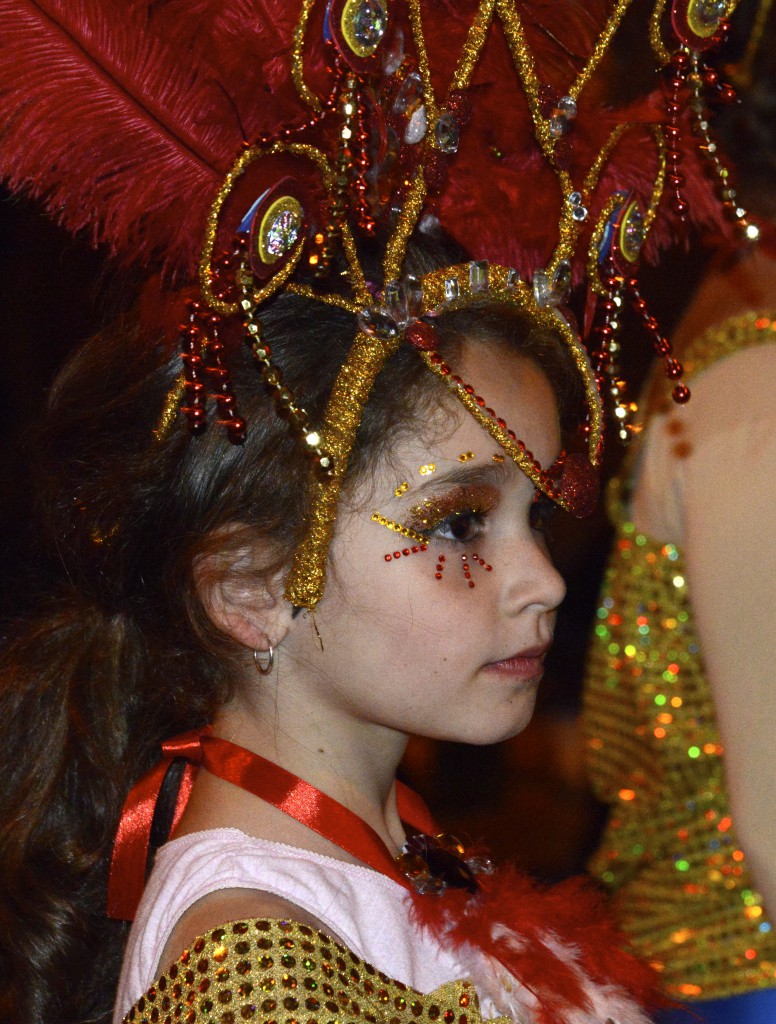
(513, 278)
(706, 15)
(481, 865)
(561, 281)
(478, 276)
(393, 54)
(378, 323)
(575, 198)
(282, 231)
(579, 213)
(416, 126)
(447, 133)
(395, 301)
(429, 886)
(414, 296)
(632, 233)
(452, 289)
(567, 107)
(542, 288)
(409, 95)
(369, 22)
(559, 126)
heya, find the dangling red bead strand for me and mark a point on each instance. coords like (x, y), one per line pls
(192, 345)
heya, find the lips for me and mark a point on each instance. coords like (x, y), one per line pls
(527, 664)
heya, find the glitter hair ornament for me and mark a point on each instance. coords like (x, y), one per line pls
(245, 148)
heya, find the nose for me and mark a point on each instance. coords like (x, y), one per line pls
(529, 577)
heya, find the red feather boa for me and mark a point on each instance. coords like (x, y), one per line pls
(558, 942)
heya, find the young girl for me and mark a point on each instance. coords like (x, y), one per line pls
(250, 621)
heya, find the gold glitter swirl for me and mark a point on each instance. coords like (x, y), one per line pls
(416, 21)
(277, 280)
(244, 160)
(472, 48)
(660, 179)
(172, 405)
(593, 276)
(328, 299)
(655, 35)
(297, 57)
(405, 225)
(306, 581)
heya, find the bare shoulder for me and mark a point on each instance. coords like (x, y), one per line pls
(232, 905)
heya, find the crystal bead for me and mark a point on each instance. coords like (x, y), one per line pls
(559, 126)
(282, 231)
(478, 276)
(393, 55)
(481, 865)
(704, 16)
(575, 198)
(452, 289)
(369, 22)
(378, 323)
(416, 126)
(447, 133)
(413, 293)
(513, 278)
(632, 233)
(429, 886)
(395, 301)
(579, 213)
(567, 107)
(542, 288)
(561, 281)
(313, 439)
(409, 95)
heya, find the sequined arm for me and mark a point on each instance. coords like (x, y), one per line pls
(272, 971)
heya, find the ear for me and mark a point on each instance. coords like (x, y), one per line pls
(241, 598)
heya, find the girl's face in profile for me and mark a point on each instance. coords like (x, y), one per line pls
(440, 600)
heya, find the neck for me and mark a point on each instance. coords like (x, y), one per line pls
(356, 770)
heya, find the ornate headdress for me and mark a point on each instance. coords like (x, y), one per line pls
(247, 145)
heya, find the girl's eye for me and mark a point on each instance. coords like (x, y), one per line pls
(460, 526)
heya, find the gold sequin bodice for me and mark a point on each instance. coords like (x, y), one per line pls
(669, 853)
(281, 971)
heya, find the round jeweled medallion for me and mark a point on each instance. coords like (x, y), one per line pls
(363, 24)
(632, 232)
(280, 228)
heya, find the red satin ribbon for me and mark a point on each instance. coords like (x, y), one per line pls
(262, 778)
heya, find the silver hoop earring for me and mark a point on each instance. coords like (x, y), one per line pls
(264, 660)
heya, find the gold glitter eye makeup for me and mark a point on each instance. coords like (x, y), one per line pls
(426, 470)
(404, 531)
(403, 486)
(457, 517)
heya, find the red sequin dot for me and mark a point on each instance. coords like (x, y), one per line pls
(388, 558)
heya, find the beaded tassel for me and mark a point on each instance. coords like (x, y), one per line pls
(222, 386)
(192, 345)
(661, 344)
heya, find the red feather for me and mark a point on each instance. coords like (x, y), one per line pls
(106, 126)
(559, 943)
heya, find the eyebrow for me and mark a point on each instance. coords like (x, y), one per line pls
(491, 474)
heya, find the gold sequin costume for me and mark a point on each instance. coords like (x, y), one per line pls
(284, 972)
(669, 854)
